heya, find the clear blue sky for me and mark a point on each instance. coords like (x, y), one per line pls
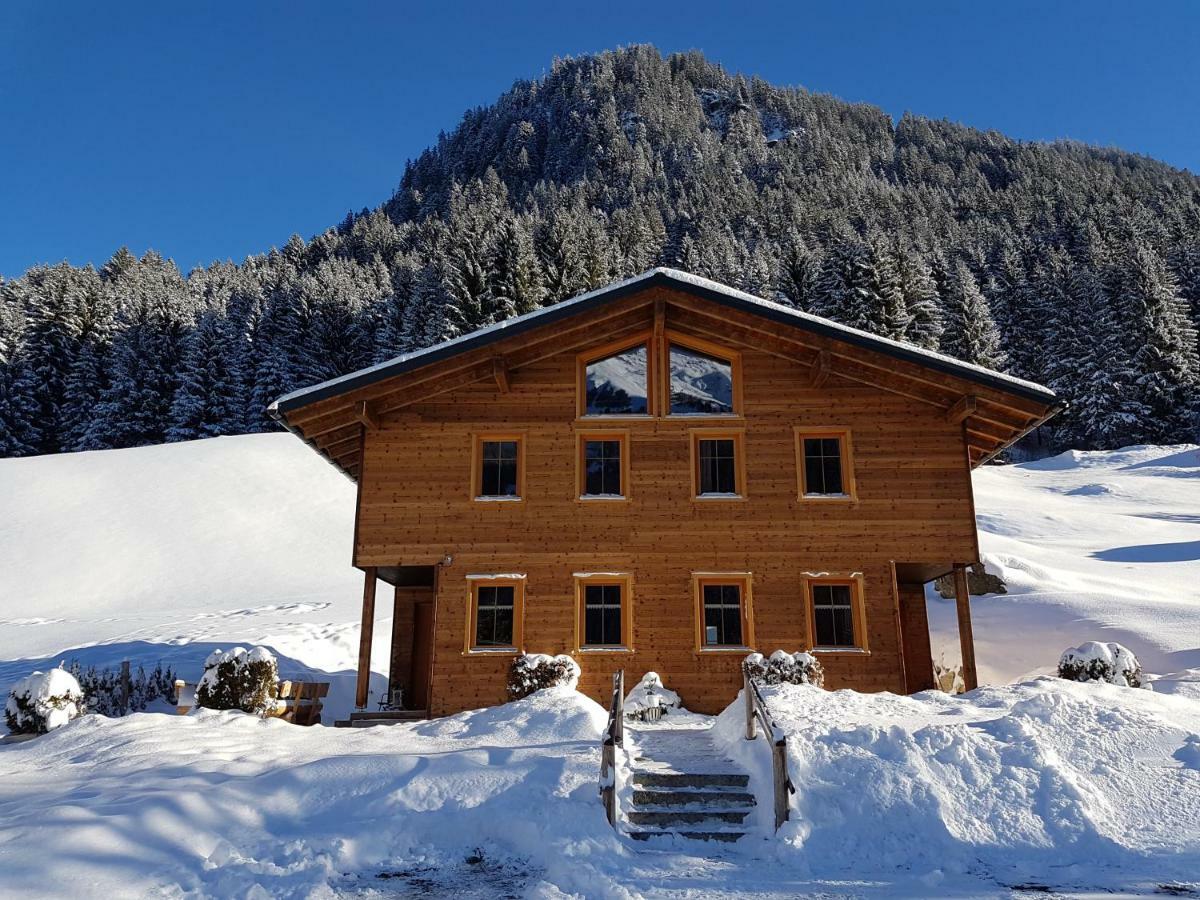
(213, 130)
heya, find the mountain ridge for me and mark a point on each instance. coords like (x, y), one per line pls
(1068, 265)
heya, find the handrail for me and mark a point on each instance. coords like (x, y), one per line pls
(756, 710)
(614, 737)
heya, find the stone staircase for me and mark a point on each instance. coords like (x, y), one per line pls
(683, 786)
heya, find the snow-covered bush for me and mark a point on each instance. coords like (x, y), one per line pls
(1094, 661)
(531, 672)
(239, 680)
(102, 688)
(42, 702)
(785, 668)
(651, 691)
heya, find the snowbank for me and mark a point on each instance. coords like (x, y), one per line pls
(218, 803)
(1072, 785)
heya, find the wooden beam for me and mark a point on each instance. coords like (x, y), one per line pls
(366, 413)
(364, 638)
(500, 373)
(966, 637)
(822, 369)
(962, 409)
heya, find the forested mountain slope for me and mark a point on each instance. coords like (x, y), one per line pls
(1065, 264)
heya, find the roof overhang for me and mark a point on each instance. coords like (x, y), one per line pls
(330, 416)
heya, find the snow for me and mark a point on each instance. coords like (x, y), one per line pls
(170, 552)
(1119, 564)
(651, 692)
(54, 697)
(1075, 786)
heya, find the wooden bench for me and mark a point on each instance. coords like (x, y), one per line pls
(299, 702)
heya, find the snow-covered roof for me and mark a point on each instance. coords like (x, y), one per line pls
(679, 280)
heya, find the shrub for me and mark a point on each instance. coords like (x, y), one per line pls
(1094, 661)
(785, 668)
(239, 680)
(531, 672)
(102, 688)
(42, 702)
(651, 691)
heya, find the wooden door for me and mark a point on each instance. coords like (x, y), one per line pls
(422, 656)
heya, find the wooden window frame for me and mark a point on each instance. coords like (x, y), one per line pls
(581, 440)
(708, 348)
(477, 441)
(745, 581)
(613, 348)
(737, 435)
(582, 581)
(846, 445)
(474, 583)
(858, 611)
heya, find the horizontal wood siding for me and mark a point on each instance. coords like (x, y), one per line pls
(913, 504)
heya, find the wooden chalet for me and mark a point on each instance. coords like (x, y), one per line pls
(662, 474)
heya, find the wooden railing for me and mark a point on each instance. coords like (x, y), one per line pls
(614, 737)
(757, 713)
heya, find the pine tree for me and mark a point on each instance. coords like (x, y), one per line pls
(846, 287)
(514, 282)
(16, 406)
(209, 400)
(921, 300)
(970, 333)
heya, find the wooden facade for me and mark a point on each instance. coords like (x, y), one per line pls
(909, 434)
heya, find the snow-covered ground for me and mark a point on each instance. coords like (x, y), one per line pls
(164, 553)
(1094, 546)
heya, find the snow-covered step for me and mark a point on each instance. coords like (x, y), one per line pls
(652, 778)
(664, 818)
(727, 837)
(711, 799)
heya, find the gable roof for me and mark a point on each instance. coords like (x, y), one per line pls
(1037, 403)
(659, 277)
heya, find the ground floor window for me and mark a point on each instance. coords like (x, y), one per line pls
(723, 619)
(835, 610)
(604, 602)
(495, 614)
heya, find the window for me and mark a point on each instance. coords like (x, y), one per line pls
(616, 383)
(836, 611)
(499, 467)
(723, 617)
(603, 465)
(604, 617)
(824, 462)
(701, 384)
(717, 465)
(495, 613)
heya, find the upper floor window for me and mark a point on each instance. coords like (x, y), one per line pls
(701, 384)
(617, 383)
(603, 465)
(499, 467)
(824, 463)
(718, 466)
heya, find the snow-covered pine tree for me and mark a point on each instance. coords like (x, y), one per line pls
(847, 284)
(514, 280)
(890, 316)
(970, 333)
(16, 406)
(1165, 360)
(799, 271)
(921, 300)
(210, 398)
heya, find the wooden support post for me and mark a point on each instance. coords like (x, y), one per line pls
(966, 637)
(364, 638)
(748, 695)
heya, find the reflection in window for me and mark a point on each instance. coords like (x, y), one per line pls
(700, 384)
(616, 385)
